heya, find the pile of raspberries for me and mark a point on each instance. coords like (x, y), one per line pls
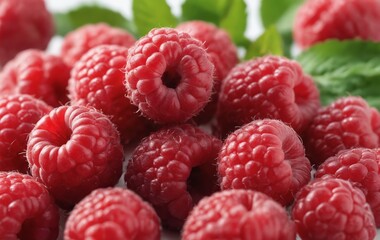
(124, 138)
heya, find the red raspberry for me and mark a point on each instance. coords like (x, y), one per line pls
(222, 53)
(112, 213)
(267, 87)
(97, 81)
(36, 73)
(332, 209)
(361, 166)
(18, 114)
(27, 210)
(24, 24)
(74, 150)
(238, 214)
(79, 41)
(264, 155)
(346, 123)
(172, 169)
(169, 75)
(319, 20)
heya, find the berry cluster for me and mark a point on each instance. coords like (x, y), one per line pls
(199, 143)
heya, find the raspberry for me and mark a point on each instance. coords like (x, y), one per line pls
(79, 41)
(97, 81)
(222, 53)
(346, 123)
(23, 24)
(332, 209)
(267, 156)
(238, 214)
(319, 20)
(361, 166)
(172, 169)
(267, 87)
(74, 150)
(27, 210)
(169, 75)
(36, 73)
(18, 114)
(112, 213)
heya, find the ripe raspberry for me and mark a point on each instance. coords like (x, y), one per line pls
(36, 73)
(27, 210)
(112, 213)
(267, 156)
(267, 87)
(222, 53)
(172, 169)
(79, 41)
(238, 214)
(361, 166)
(74, 150)
(169, 75)
(319, 20)
(332, 209)
(97, 81)
(18, 114)
(346, 123)
(23, 24)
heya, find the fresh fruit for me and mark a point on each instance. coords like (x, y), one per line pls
(319, 20)
(361, 166)
(36, 73)
(112, 213)
(27, 210)
(18, 113)
(79, 41)
(267, 156)
(238, 214)
(332, 209)
(267, 87)
(169, 75)
(97, 80)
(74, 150)
(24, 24)
(172, 169)
(222, 52)
(346, 123)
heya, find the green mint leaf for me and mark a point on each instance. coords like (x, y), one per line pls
(270, 42)
(235, 21)
(206, 10)
(86, 14)
(342, 68)
(148, 14)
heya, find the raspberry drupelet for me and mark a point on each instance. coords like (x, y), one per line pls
(238, 214)
(112, 213)
(79, 41)
(169, 76)
(18, 113)
(332, 209)
(173, 169)
(348, 122)
(37, 73)
(320, 20)
(267, 156)
(27, 211)
(74, 150)
(97, 80)
(267, 87)
(361, 166)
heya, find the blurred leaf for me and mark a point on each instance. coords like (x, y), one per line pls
(235, 21)
(86, 14)
(206, 10)
(270, 42)
(342, 68)
(148, 14)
